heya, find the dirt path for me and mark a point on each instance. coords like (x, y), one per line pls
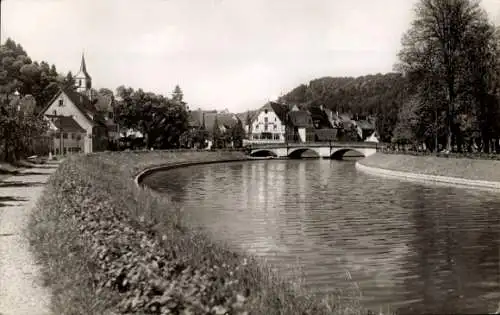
(21, 291)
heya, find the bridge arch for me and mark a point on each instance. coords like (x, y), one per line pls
(296, 153)
(338, 154)
(263, 153)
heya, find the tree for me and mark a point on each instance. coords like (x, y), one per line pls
(217, 141)
(106, 92)
(178, 97)
(435, 53)
(406, 127)
(69, 81)
(177, 94)
(237, 134)
(248, 123)
(161, 120)
(18, 125)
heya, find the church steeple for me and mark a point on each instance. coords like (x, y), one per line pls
(83, 79)
(83, 67)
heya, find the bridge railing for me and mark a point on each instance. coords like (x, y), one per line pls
(350, 144)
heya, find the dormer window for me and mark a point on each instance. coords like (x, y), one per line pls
(61, 102)
(79, 82)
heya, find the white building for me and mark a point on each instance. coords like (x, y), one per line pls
(267, 125)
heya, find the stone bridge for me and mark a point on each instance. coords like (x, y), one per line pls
(333, 150)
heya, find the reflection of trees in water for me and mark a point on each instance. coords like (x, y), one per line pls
(172, 182)
(450, 240)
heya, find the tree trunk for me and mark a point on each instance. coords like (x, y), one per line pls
(486, 144)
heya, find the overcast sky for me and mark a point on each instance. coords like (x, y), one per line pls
(233, 54)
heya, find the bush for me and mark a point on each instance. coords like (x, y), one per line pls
(108, 246)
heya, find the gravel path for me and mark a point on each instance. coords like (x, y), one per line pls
(21, 291)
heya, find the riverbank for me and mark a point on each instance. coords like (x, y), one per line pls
(110, 246)
(458, 171)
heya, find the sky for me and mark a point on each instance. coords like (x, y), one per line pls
(224, 54)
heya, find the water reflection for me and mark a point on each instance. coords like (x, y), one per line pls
(429, 249)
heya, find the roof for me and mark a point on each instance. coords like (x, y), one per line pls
(81, 102)
(365, 124)
(281, 110)
(66, 123)
(227, 120)
(319, 114)
(247, 115)
(300, 119)
(209, 120)
(326, 134)
(197, 117)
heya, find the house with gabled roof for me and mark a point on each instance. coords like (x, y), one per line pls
(268, 124)
(71, 110)
(67, 134)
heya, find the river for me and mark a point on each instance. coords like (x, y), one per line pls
(416, 248)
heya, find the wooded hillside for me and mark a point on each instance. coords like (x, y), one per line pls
(380, 95)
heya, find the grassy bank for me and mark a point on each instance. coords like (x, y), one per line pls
(109, 247)
(475, 169)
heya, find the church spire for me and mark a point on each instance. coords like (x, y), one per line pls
(83, 66)
(83, 79)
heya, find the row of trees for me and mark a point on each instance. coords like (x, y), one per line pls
(162, 120)
(19, 76)
(450, 56)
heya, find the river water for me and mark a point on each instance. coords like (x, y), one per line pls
(416, 248)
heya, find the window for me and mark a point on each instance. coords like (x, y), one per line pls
(266, 120)
(61, 102)
(275, 119)
(65, 135)
(265, 111)
(275, 127)
(256, 127)
(79, 82)
(58, 136)
(265, 127)
(110, 115)
(276, 136)
(78, 137)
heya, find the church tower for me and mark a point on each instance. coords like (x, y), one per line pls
(83, 80)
